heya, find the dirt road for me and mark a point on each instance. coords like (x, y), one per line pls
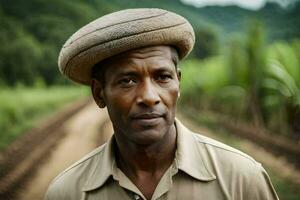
(90, 127)
(84, 132)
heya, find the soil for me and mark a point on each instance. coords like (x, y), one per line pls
(90, 127)
(82, 136)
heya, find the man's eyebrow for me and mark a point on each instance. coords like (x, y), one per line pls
(163, 69)
(126, 73)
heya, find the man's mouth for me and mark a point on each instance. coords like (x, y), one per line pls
(147, 116)
(147, 119)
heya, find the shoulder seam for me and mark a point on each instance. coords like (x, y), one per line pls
(235, 151)
(97, 151)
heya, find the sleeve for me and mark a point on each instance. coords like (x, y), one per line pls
(260, 186)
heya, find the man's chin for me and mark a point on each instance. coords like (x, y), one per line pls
(148, 137)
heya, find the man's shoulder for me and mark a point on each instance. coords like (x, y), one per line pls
(226, 156)
(236, 169)
(85, 162)
(215, 153)
(74, 177)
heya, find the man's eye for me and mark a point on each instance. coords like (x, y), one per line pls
(127, 82)
(164, 77)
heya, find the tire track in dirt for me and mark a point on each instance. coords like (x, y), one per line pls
(20, 160)
(82, 135)
(91, 127)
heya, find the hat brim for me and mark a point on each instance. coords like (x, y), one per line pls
(119, 32)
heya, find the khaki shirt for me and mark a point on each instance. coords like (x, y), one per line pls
(202, 169)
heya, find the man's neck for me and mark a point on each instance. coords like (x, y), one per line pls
(144, 165)
(147, 158)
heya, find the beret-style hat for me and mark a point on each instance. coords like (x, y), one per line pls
(121, 31)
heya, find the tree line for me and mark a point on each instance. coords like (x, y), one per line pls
(32, 33)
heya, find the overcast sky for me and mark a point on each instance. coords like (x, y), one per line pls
(249, 4)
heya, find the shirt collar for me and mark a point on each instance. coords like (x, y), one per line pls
(104, 167)
(190, 158)
(191, 155)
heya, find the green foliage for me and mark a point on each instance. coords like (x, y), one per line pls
(193, 78)
(206, 44)
(256, 64)
(21, 52)
(202, 81)
(280, 23)
(250, 82)
(237, 61)
(283, 187)
(282, 81)
(282, 86)
(288, 56)
(32, 32)
(22, 107)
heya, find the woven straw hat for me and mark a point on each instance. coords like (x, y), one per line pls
(119, 32)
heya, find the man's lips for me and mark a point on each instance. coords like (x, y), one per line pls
(146, 116)
(147, 119)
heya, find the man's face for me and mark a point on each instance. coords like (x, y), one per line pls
(140, 92)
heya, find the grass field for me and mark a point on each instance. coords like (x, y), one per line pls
(22, 107)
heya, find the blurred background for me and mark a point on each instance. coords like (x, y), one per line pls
(241, 84)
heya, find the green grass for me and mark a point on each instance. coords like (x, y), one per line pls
(22, 107)
(283, 187)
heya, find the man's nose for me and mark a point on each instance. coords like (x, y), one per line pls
(148, 94)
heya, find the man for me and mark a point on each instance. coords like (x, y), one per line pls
(129, 58)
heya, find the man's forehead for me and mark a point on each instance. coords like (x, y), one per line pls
(147, 52)
(154, 54)
(154, 57)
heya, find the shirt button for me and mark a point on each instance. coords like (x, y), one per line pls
(136, 197)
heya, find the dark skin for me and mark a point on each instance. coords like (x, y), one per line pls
(140, 91)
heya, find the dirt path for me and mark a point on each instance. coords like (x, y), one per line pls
(91, 127)
(82, 136)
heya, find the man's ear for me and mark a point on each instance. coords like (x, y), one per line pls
(179, 74)
(179, 79)
(97, 91)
